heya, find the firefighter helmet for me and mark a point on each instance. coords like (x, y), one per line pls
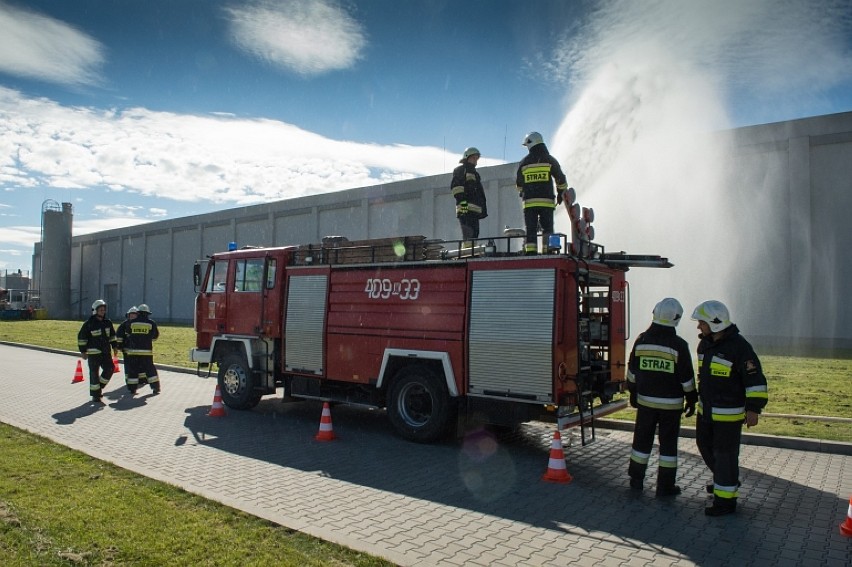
(132, 309)
(532, 139)
(143, 308)
(471, 151)
(714, 313)
(668, 312)
(98, 303)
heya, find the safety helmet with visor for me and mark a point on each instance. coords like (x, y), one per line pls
(714, 313)
(532, 139)
(668, 312)
(471, 151)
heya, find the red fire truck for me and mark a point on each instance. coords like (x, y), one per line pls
(438, 333)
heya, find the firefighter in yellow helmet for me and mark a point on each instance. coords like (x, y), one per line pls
(536, 175)
(731, 391)
(660, 378)
(469, 194)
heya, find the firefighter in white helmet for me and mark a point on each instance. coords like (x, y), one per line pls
(139, 349)
(96, 341)
(123, 338)
(731, 391)
(536, 175)
(469, 194)
(660, 378)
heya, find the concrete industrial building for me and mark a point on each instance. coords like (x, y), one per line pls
(805, 165)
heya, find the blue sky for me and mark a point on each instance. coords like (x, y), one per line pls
(141, 111)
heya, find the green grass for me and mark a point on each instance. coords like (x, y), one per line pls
(61, 507)
(801, 386)
(171, 348)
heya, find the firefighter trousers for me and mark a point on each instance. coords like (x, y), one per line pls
(719, 445)
(101, 369)
(647, 421)
(533, 218)
(469, 226)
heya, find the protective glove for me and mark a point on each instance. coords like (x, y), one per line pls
(463, 208)
(559, 197)
(691, 400)
(634, 403)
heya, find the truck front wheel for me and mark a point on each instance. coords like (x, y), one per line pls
(237, 383)
(419, 405)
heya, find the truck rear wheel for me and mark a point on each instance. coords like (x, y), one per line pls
(419, 405)
(237, 383)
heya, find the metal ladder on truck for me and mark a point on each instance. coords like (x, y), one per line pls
(593, 323)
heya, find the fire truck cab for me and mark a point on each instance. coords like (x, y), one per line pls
(437, 333)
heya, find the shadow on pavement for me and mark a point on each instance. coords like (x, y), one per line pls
(83, 410)
(500, 475)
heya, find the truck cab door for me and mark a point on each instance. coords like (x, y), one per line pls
(212, 301)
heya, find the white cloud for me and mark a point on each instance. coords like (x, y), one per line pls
(309, 37)
(37, 46)
(190, 158)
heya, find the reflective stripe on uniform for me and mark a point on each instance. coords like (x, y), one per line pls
(458, 189)
(667, 462)
(757, 392)
(727, 492)
(689, 385)
(544, 203)
(630, 376)
(660, 403)
(728, 414)
(640, 457)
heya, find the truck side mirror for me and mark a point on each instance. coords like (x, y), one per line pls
(196, 275)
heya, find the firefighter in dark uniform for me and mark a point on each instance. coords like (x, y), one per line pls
(536, 175)
(122, 337)
(96, 341)
(660, 378)
(469, 194)
(732, 390)
(139, 348)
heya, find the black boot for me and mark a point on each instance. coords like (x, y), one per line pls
(637, 484)
(670, 490)
(721, 507)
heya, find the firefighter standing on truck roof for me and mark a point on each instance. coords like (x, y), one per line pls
(96, 341)
(732, 390)
(139, 347)
(660, 377)
(122, 337)
(536, 174)
(469, 194)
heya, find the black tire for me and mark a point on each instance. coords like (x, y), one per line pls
(419, 406)
(236, 382)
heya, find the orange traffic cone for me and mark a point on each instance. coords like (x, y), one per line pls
(846, 527)
(556, 469)
(217, 409)
(326, 432)
(78, 374)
